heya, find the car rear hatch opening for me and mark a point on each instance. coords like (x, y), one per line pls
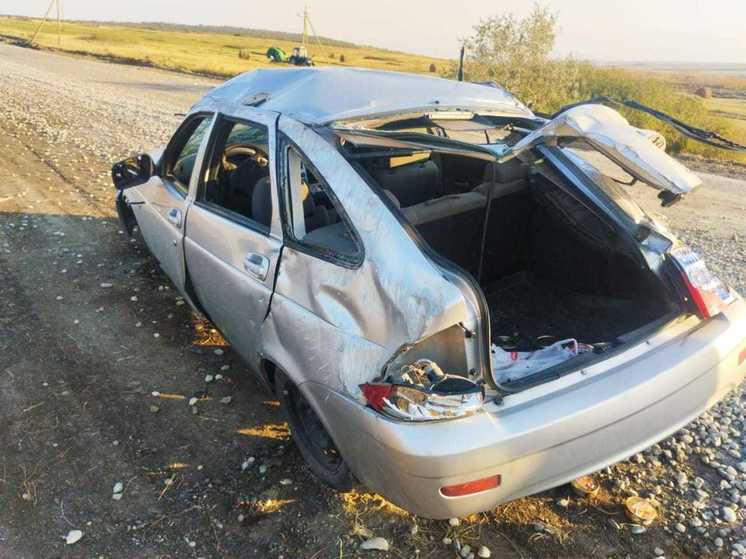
(570, 273)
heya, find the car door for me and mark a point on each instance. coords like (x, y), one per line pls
(160, 205)
(606, 131)
(233, 237)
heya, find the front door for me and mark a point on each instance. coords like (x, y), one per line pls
(233, 239)
(160, 205)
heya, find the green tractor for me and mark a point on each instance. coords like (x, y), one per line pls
(276, 54)
(298, 58)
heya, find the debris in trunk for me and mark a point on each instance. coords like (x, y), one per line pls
(510, 366)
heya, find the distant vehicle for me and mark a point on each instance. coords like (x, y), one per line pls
(276, 54)
(299, 57)
(389, 251)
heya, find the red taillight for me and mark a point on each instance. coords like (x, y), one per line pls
(709, 295)
(470, 487)
(456, 397)
(375, 393)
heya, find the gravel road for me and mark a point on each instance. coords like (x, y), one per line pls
(99, 358)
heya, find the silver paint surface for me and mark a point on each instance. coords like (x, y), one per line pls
(324, 95)
(332, 327)
(609, 132)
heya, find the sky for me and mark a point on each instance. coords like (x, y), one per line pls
(701, 31)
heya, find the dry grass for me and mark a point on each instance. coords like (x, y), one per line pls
(274, 431)
(728, 101)
(215, 54)
(361, 503)
(732, 109)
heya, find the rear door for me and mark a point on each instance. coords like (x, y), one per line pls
(606, 131)
(160, 205)
(233, 237)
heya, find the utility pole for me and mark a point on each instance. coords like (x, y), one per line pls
(53, 3)
(59, 26)
(305, 25)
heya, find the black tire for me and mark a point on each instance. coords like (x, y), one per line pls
(311, 437)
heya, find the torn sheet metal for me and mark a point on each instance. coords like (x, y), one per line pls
(610, 133)
(347, 322)
(324, 95)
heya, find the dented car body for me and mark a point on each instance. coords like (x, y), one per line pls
(371, 243)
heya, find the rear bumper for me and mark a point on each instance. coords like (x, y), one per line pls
(538, 443)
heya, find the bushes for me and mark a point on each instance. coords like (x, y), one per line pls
(244, 54)
(653, 91)
(516, 54)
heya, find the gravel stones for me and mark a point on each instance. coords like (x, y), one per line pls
(376, 544)
(73, 536)
(729, 515)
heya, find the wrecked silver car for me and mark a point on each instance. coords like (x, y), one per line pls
(455, 300)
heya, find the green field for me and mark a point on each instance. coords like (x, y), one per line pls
(732, 109)
(214, 54)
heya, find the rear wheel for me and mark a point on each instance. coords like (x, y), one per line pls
(311, 437)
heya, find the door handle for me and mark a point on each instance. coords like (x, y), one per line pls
(257, 265)
(174, 216)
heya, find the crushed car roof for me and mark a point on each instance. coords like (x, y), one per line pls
(323, 95)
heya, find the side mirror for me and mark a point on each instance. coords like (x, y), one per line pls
(133, 171)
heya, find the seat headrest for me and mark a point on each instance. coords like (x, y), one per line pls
(309, 205)
(261, 202)
(506, 172)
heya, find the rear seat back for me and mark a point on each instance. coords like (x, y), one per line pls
(443, 207)
(452, 224)
(410, 184)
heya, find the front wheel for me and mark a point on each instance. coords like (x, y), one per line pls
(311, 437)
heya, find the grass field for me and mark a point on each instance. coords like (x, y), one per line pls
(215, 54)
(728, 101)
(732, 109)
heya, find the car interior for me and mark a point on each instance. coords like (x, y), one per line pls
(549, 267)
(322, 224)
(238, 182)
(238, 175)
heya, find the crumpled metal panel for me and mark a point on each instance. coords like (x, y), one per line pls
(309, 349)
(610, 133)
(339, 325)
(324, 95)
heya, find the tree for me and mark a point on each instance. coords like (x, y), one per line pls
(516, 54)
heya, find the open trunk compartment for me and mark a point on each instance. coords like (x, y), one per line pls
(552, 267)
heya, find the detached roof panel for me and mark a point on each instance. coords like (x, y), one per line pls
(325, 95)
